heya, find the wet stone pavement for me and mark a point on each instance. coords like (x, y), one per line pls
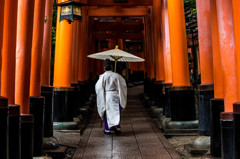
(140, 138)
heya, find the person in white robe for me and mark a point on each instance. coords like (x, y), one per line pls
(111, 93)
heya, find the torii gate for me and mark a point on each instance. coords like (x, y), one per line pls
(25, 48)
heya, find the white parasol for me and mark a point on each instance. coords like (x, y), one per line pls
(116, 55)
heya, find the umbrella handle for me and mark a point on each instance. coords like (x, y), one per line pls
(115, 68)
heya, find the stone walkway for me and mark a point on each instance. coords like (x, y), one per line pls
(140, 138)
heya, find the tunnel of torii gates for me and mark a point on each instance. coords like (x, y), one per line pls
(154, 29)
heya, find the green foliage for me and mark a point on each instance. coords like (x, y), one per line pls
(190, 5)
(54, 19)
(54, 22)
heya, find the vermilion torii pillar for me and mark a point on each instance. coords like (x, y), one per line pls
(217, 67)
(1, 28)
(74, 52)
(63, 55)
(9, 50)
(228, 54)
(81, 52)
(1, 21)
(37, 43)
(86, 42)
(37, 102)
(46, 89)
(236, 21)
(181, 94)
(178, 41)
(158, 40)
(167, 57)
(23, 53)
(47, 44)
(77, 54)
(205, 41)
(158, 46)
(149, 46)
(63, 110)
(166, 44)
(217, 104)
(205, 90)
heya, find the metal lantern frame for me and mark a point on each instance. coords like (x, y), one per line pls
(71, 15)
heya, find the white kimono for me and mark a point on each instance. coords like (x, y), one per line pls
(111, 92)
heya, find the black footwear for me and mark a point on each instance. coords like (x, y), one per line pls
(116, 130)
(108, 132)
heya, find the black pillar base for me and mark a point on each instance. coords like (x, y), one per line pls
(236, 130)
(152, 94)
(216, 107)
(182, 103)
(47, 93)
(205, 94)
(158, 87)
(4, 122)
(37, 106)
(166, 107)
(227, 135)
(76, 99)
(27, 129)
(63, 104)
(83, 92)
(135, 77)
(141, 75)
(147, 86)
(14, 132)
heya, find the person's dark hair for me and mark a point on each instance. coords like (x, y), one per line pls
(107, 65)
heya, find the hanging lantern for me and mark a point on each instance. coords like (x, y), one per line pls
(71, 11)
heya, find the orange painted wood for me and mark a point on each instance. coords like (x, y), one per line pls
(111, 3)
(158, 40)
(87, 49)
(9, 51)
(178, 39)
(118, 26)
(81, 51)
(166, 43)
(74, 51)
(217, 66)
(120, 44)
(1, 30)
(227, 51)
(91, 47)
(117, 11)
(58, 30)
(37, 43)
(132, 36)
(150, 46)
(23, 53)
(236, 13)
(205, 40)
(47, 44)
(146, 55)
(63, 56)
(87, 62)
(76, 60)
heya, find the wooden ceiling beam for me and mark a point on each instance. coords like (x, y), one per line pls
(138, 36)
(111, 3)
(94, 11)
(115, 26)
